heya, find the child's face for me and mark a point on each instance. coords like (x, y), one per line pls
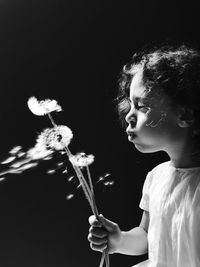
(147, 137)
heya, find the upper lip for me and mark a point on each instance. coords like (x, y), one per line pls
(130, 133)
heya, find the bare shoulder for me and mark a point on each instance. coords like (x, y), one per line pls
(145, 221)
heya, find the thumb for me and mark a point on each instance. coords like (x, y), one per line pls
(109, 225)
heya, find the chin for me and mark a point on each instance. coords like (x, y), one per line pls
(146, 148)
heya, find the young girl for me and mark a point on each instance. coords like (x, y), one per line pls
(159, 101)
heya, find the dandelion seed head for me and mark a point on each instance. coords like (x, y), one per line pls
(57, 138)
(41, 108)
(81, 159)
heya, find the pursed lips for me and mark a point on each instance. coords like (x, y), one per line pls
(131, 134)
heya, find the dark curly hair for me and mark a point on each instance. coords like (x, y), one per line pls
(174, 69)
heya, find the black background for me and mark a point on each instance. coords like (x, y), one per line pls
(73, 51)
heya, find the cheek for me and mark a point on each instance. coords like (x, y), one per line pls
(142, 121)
(148, 128)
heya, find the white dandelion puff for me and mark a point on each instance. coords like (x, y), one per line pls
(81, 159)
(57, 138)
(43, 107)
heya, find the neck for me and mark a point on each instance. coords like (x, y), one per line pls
(185, 157)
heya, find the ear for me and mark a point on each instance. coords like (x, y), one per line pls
(185, 117)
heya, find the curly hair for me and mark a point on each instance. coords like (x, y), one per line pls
(173, 69)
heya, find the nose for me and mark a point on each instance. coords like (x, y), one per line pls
(131, 116)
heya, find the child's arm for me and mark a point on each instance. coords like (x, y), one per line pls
(133, 242)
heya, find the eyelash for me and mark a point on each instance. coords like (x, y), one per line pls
(137, 106)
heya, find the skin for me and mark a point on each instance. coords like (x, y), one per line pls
(172, 135)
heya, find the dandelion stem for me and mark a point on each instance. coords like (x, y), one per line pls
(83, 182)
(102, 260)
(84, 186)
(88, 191)
(52, 120)
(92, 192)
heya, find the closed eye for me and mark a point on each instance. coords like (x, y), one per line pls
(143, 108)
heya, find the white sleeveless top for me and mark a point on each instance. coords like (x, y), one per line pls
(172, 197)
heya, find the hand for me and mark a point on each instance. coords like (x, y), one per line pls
(103, 234)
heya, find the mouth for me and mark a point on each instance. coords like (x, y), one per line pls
(131, 135)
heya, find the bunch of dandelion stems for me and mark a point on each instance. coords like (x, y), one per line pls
(89, 193)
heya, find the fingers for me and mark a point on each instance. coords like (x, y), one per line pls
(97, 232)
(100, 248)
(94, 222)
(98, 236)
(109, 225)
(96, 240)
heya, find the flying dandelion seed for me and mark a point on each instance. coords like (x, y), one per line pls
(8, 160)
(101, 178)
(27, 166)
(69, 179)
(112, 182)
(21, 154)
(59, 164)
(15, 150)
(109, 183)
(18, 164)
(51, 171)
(79, 186)
(2, 178)
(69, 196)
(47, 158)
(15, 171)
(107, 174)
(65, 171)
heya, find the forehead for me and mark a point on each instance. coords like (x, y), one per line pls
(137, 88)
